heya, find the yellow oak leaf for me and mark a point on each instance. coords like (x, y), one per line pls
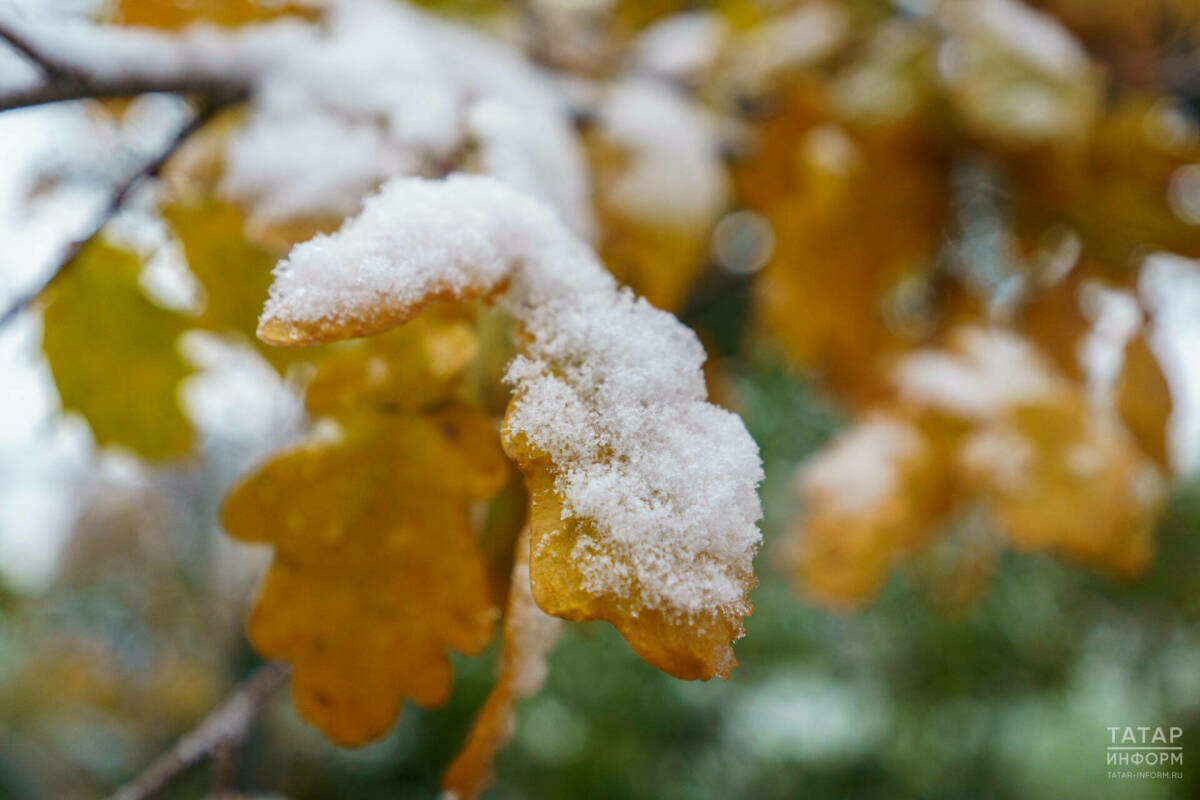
(1144, 399)
(114, 353)
(529, 633)
(695, 648)
(653, 242)
(377, 570)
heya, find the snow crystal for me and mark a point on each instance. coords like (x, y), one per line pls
(608, 386)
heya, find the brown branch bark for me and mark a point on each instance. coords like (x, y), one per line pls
(228, 724)
(115, 202)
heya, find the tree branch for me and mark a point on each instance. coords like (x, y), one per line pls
(115, 202)
(50, 67)
(229, 723)
(81, 87)
(65, 80)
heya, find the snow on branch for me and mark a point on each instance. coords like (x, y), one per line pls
(607, 387)
(374, 90)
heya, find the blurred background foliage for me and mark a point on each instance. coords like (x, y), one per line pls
(903, 171)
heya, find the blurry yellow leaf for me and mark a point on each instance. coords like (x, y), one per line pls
(869, 498)
(377, 570)
(114, 354)
(1120, 193)
(985, 423)
(855, 212)
(1144, 399)
(172, 14)
(653, 242)
(659, 262)
(1062, 477)
(529, 634)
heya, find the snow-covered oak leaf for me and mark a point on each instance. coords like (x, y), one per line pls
(114, 353)
(644, 494)
(529, 634)
(869, 498)
(376, 570)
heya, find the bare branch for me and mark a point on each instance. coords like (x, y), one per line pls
(66, 81)
(115, 202)
(81, 87)
(50, 67)
(230, 722)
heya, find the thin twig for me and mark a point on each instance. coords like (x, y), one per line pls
(115, 202)
(230, 722)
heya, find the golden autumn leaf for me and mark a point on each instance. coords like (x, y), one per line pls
(1061, 477)
(114, 354)
(824, 293)
(1118, 192)
(985, 423)
(655, 244)
(529, 634)
(377, 570)
(850, 540)
(1144, 399)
